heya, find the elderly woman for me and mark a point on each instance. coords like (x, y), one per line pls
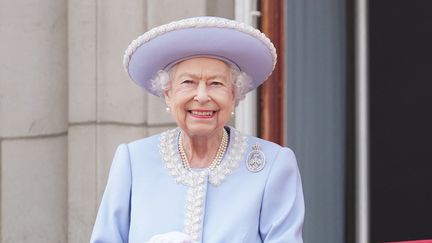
(203, 181)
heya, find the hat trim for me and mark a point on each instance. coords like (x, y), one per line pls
(207, 22)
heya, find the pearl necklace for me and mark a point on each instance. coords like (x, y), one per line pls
(219, 154)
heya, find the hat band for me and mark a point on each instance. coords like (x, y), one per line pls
(227, 61)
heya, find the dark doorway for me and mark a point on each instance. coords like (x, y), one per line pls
(400, 41)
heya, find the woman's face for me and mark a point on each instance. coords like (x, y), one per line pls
(201, 96)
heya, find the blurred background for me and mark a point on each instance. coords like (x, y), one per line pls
(350, 95)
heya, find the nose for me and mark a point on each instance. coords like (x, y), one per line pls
(202, 95)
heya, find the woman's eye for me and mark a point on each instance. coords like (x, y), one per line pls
(216, 83)
(187, 82)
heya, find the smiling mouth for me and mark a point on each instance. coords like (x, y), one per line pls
(201, 114)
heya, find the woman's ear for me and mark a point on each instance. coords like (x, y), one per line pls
(167, 98)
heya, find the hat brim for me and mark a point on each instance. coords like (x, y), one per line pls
(250, 54)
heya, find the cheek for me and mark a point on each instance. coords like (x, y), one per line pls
(178, 106)
(226, 103)
(226, 92)
(182, 95)
(178, 113)
(228, 98)
(179, 97)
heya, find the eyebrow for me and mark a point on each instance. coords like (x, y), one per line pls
(195, 76)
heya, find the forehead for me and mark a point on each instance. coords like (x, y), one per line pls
(202, 66)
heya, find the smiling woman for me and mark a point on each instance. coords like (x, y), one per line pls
(203, 181)
(201, 97)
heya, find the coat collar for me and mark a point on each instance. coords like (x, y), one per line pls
(168, 148)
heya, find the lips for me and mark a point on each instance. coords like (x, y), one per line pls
(202, 113)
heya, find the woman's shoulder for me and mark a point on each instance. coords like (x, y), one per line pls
(145, 151)
(266, 146)
(151, 140)
(151, 143)
(264, 143)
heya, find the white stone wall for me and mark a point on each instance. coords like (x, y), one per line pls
(33, 121)
(66, 103)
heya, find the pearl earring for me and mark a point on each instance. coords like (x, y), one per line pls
(232, 113)
(167, 109)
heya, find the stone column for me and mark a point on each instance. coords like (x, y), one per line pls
(33, 121)
(105, 108)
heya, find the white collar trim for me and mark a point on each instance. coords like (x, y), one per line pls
(168, 147)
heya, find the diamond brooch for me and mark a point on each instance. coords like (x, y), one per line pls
(256, 159)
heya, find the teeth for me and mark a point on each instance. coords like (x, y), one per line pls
(202, 113)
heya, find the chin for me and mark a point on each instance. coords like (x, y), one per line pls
(201, 130)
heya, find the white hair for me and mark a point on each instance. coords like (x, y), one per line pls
(242, 83)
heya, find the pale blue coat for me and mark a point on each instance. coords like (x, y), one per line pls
(142, 197)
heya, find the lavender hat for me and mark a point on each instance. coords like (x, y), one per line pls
(234, 42)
